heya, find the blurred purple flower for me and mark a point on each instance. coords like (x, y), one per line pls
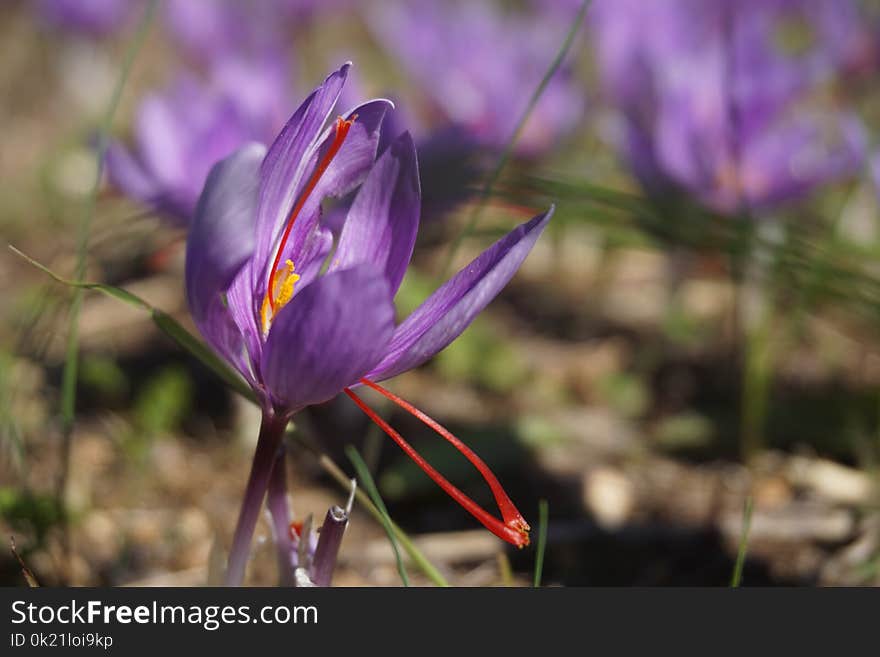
(713, 95)
(874, 171)
(207, 29)
(479, 67)
(181, 133)
(305, 9)
(255, 267)
(92, 17)
(220, 28)
(204, 29)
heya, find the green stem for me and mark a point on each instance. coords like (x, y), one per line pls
(543, 520)
(736, 578)
(757, 370)
(367, 482)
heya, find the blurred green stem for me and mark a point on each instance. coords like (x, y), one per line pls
(374, 439)
(71, 362)
(736, 577)
(752, 319)
(367, 482)
(757, 373)
(543, 521)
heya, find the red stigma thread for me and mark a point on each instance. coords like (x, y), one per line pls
(514, 529)
(342, 128)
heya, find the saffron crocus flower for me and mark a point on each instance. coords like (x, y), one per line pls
(215, 28)
(181, 133)
(715, 102)
(92, 17)
(480, 66)
(301, 330)
(208, 29)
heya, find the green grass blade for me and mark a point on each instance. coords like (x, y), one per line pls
(71, 362)
(543, 513)
(366, 480)
(736, 578)
(486, 192)
(172, 328)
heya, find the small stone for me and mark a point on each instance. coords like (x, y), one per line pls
(771, 493)
(99, 539)
(610, 497)
(798, 521)
(831, 480)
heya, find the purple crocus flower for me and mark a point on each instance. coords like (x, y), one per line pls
(301, 330)
(207, 29)
(93, 17)
(211, 30)
(480, 66)
(181, 133)
(713, 99)
(306, 9)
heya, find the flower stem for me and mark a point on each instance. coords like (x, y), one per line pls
(329, 542)
(276, 501)
(271, 432)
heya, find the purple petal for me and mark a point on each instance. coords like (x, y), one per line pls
(446, 313)
(796, 157)
(383, 220)
(328, 337)
(242, 308)
(220, 241)
(285, 165)
(347, 169)
(128, 174)
(356, 156)
(161, 140)
(313, 255)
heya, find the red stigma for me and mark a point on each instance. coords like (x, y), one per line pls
(513, 529)
(342, 128)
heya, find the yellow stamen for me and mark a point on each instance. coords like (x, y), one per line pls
(283, 282)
